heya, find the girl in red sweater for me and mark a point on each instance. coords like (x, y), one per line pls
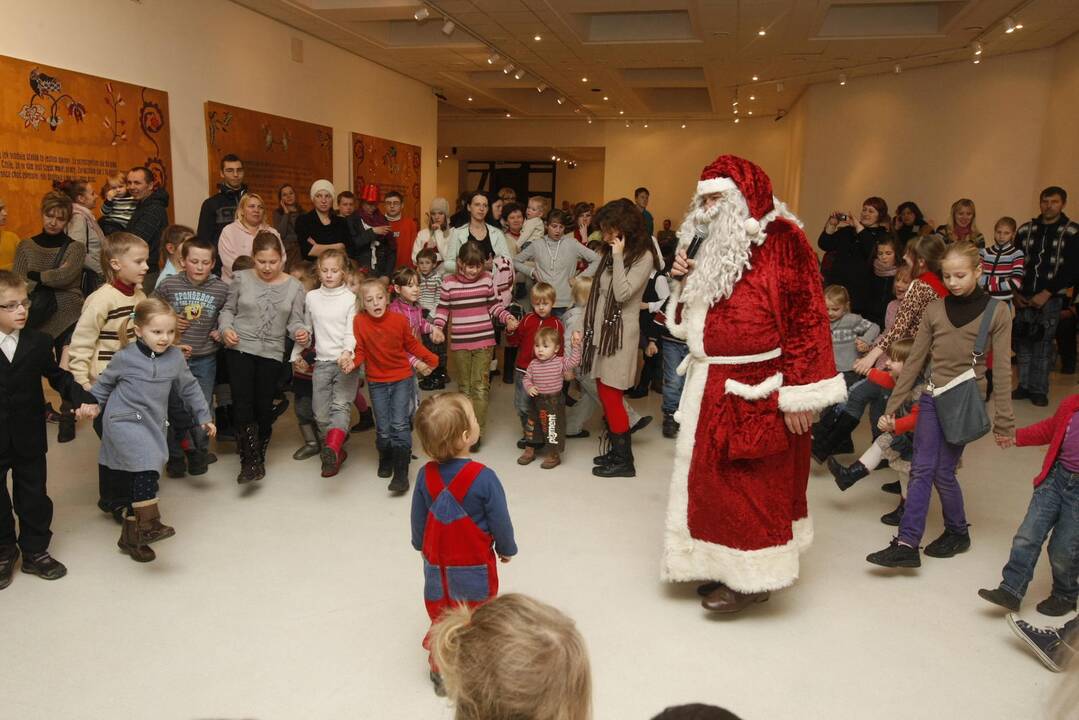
(384, 341)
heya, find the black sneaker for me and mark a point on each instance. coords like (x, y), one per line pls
(670, 426)
(1046, 643)
(9, 554)
(948, 545)
(1000, 596)
(1020, 393)
(1038, 400)
(578, 435)
(1054, 606)
(641, 424)
(895, 516)
(896, 556)
(892, 487)
(43, 565)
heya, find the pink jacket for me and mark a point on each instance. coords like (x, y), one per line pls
(1049, 432)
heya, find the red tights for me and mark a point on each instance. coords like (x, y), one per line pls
(613, 407)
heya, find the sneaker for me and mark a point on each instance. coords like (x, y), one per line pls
(1000, 596)
(43, 565)
(896, 556)
(949, 544)
(1039, 400)
(895, 516)
(670, 426)
(9, 554)
(1055, 606)
(641, 424)
(1046, 643)
(892, 487)
(1020, 393)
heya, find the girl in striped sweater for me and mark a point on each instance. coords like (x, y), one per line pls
(468, 301)
(1002, 263)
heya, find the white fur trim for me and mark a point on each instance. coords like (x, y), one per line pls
(752, 226)
(684, 557)
(678, 329)
(754, 392)
(715, 185)
(814, 396)
(803, 532)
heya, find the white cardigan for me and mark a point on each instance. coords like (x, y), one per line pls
(424, 237)
(459, 236)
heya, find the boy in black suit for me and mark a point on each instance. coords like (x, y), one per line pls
(25, 357)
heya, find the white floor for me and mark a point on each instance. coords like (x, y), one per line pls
(301, 597)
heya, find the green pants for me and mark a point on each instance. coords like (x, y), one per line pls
(471, 371)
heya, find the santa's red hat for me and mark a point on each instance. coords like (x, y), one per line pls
(730, 172)
(370, 193)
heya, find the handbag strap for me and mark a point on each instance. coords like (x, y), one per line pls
(983, 330)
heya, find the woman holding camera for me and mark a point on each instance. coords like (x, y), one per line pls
(849, 243)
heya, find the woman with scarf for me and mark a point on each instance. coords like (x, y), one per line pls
(961, 225)
(611, 328)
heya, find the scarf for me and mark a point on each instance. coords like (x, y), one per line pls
(610, 334)
(882, 270)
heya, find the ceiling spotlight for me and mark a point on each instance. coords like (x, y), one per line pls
(1010, 25)
(584, 79)
(976, 47)
(736, 120)
(519, 74)
(508, 69)
(508, 115)
(842, 78)
(752, 97)
(554, 157)
(646, 124)
(621, 112)
(734, 103)
(780, 87)
(604, 98)
(627, 123)
(470, 98)
(755, 78)
(762, 32)
(492, 59)
(589, 121)
(898, 68)
(541, 87)
(683, 126)
(977, 60)
(422, 14)
(560, 100)
(448, 27)
(735, 111)
(576, 110)
(537, 37)
(749, 113)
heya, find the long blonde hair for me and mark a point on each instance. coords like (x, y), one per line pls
(145, 311)
(513, 657)
(956, 206)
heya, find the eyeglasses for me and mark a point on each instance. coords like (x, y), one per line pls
(14, 306)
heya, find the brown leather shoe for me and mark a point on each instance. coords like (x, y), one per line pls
(527, 456)
(149, 525)
(552, 460)
(725, 600)
(129, 542)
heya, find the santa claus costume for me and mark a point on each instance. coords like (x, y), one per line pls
(752, 313)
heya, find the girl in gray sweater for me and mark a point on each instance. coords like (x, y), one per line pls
(134, 390)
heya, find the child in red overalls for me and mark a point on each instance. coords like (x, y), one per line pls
(460, 520)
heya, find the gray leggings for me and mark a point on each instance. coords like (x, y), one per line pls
(332, 394)
(587, 405)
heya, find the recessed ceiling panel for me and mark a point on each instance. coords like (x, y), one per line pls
(887, 20)
(668, 76)
(676, 100)
(636, 27)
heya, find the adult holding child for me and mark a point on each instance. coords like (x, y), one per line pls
(436, 235)
(849, 242)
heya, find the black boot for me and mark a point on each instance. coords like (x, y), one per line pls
(621, 464)
(834, 437)
(845, 477)
(385, 462)
(402, 457)
(248, 445)
(606, 449)
(670, 426)
(509, 364)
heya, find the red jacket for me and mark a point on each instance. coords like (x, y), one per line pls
(903, 424)
(524, 337)
(1049, 432)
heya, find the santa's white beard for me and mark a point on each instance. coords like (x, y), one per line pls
(724, 253)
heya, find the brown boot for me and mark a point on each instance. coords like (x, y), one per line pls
(725, 600)
(552, 460)
(527, 456)
(149, 525)
(129, 542)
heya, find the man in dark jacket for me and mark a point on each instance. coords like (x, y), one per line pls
(150, 218)
(219, 210)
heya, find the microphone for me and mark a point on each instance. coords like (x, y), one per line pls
(695, 244)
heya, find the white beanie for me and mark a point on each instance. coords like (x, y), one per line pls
(321, 185)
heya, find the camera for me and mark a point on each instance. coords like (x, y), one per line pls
(841, 217)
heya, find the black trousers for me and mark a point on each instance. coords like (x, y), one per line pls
(31, 504)
(254, 383)
(112, 491)
(1066, 347)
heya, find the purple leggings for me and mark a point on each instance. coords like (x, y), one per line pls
(933, 465)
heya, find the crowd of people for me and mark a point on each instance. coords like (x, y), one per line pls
(167, 336)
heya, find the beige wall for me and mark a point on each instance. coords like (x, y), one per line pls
(584, 183)
(448, 181)
(1060, 139)
(200, 50)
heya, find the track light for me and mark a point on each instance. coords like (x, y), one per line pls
(1010, 25)
(589, 121)
(646, 124)
(627, 123)
(842, 78)
(752, 97)
(541, 87)
(976, 47)
(519, 74)
(762, 32)
(736, 120)
(734, 103)
(470, 98)
(604, 98)
(735, 111)
(448, 27)
(508, 69)
(755, 78)
(977, 60)
(421, 14)
(621, 112)
(537, 37)
(554, 157)
(898, 68)
(508, 115)
(560, 100)
(683, 126)
(584, 79)
(492, 59)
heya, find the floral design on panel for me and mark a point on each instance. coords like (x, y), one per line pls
(48, 89)
(117, 125)
(218, 124)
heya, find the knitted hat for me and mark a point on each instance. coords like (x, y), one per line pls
(440, 205)
(729, 172)
(322, 186)
(370, 193)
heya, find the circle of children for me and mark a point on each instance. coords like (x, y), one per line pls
(167, 336)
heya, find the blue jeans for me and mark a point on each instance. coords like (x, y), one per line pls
(864, 394)
(673, 354)
(1054, 506)
(180, 422)
(205, 371)
(1036, 356)
(393, 403)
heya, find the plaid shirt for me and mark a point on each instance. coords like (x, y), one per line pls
(1052, 263)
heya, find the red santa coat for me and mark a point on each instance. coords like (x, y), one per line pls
(737, 511)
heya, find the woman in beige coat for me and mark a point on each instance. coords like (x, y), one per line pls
(611, 327)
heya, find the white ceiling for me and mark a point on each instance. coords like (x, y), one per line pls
(669, 59)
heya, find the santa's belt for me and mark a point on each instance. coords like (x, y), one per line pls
(691, 359)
